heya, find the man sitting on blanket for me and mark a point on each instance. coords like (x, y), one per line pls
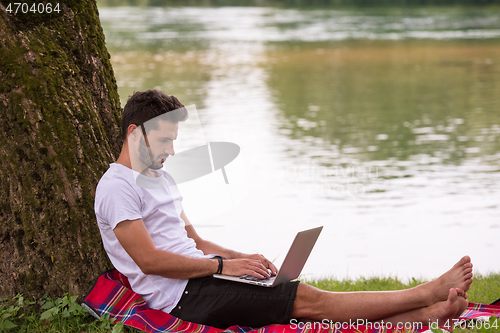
(149, 239)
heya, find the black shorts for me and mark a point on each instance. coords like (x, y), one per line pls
(221, 303)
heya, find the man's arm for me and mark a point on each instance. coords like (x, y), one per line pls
(135, 239)
(208, 247)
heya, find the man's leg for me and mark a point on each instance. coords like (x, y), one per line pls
(315, 304)
(441, 313)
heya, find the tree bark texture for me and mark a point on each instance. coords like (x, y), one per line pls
(59, 130)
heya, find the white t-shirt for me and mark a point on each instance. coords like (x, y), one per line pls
(123, 194)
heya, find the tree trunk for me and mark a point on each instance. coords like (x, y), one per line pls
(59, 129)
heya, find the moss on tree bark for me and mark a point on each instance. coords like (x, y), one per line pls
(59, 130)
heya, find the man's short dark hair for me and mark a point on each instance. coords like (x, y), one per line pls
(146, 105)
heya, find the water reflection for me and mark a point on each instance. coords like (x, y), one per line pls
(184, 75)
(381, 125)
(382, 100)
(151, 30)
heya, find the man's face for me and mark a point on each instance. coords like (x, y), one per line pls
(161, 143)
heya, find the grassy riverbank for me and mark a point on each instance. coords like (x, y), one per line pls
(22, 314)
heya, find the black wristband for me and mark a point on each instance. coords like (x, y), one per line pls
(219, 270)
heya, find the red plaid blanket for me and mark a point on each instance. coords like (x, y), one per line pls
(112, 297)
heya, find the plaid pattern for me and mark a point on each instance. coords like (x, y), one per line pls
(475, 310)
(112, 297)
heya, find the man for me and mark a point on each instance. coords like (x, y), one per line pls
(149, 238)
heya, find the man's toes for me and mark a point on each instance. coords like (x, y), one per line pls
(460, 292)
(465, 260)
(453, 294)
(462, 262)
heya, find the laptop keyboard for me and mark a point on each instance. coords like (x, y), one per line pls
(253, 278)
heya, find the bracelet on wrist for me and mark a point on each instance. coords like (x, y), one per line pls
(221, 265)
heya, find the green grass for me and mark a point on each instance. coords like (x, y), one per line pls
(64, 314)
(484, 289)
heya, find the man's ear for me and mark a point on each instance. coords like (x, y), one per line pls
(132, 132)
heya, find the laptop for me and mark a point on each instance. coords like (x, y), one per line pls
(292, 265)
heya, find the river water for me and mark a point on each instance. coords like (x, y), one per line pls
(382, 125)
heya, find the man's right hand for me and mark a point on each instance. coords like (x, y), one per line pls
(239, 267)
(135, 239)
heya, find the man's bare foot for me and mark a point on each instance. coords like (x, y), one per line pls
(459, 276)
(444, 312)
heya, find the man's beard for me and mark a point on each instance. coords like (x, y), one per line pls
(145, 157)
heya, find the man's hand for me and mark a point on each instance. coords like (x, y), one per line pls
(250, 264)
(237, 263)
(267, 263)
